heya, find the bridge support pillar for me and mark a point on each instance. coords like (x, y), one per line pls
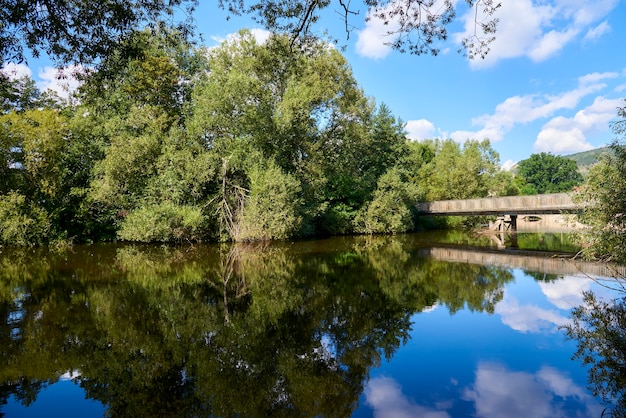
(506, 223)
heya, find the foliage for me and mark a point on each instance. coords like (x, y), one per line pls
(418, 27)
(75, 31)
(547, 173)
(272, 208)
(460, 172)
(605, 194)
(164, 222)
(21, 222)
(246, 141)
(599, 328)
(390, 211)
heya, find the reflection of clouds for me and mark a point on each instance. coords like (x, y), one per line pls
(70, 375)
(498, 392)
(566, 293)
(385, 396)
(528, 318)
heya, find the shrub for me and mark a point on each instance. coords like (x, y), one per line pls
(272, 209)
(390, 211)
(165, 222)
(22, 223)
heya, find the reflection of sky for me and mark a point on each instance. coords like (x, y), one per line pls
(495, 392)
(385, 397)
(499, 392)
(514, 363)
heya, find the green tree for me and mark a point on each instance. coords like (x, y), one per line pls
(547, 173)
(599, 329)
(460, 171)
(303, 111)
(390, 211)
(604, 194)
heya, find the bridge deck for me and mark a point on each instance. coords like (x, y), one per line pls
(511, 205)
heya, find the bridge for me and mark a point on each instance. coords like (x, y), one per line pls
(509, 206)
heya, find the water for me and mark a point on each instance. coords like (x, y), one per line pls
(368, 326)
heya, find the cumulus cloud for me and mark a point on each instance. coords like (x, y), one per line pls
(385, 396)
(260, 35)
(421, 129)
(539, 30)
(508, 165)
(61, 81)
(546, 393)
(372, 40)
(567, 135)
(16, 71)
(531, 107)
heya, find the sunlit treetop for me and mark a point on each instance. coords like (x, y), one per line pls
(415, 26)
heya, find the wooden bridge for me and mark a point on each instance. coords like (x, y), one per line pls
(509, 206)
(554, 203)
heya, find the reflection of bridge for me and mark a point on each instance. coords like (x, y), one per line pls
(536, 261)
(510, 206)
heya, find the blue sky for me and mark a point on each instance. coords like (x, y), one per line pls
(551, 83)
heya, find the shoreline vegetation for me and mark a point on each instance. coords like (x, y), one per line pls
(247, 141)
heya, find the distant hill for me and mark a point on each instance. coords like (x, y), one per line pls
(586, 159)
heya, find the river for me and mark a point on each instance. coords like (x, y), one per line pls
(421, 325)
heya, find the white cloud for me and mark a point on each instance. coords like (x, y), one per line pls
(508, 165)
(62, 81)
(529, 108)
(372, 41)
(385, 396)
(539, 29)
(260, 35)
(550, 43)
(15, 71)
(420, 129)
(566, 135)
(597, 32)
(543, 394)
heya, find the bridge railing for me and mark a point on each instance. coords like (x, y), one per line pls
(543, 203)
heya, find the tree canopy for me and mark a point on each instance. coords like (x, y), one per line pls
(74, 31)
(77, 31)
(416, 26)
(547, 173)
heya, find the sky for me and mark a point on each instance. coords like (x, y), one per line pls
(552, 82)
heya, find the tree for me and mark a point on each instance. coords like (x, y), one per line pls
(414, 25)
(547, 173)
(604, 192)
(77, 31)
(599, 328)
(301, 111)
(460, 172)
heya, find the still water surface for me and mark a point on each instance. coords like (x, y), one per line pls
(423, 325)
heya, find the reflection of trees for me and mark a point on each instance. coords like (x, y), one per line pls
(220, 331)
(599, 328)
